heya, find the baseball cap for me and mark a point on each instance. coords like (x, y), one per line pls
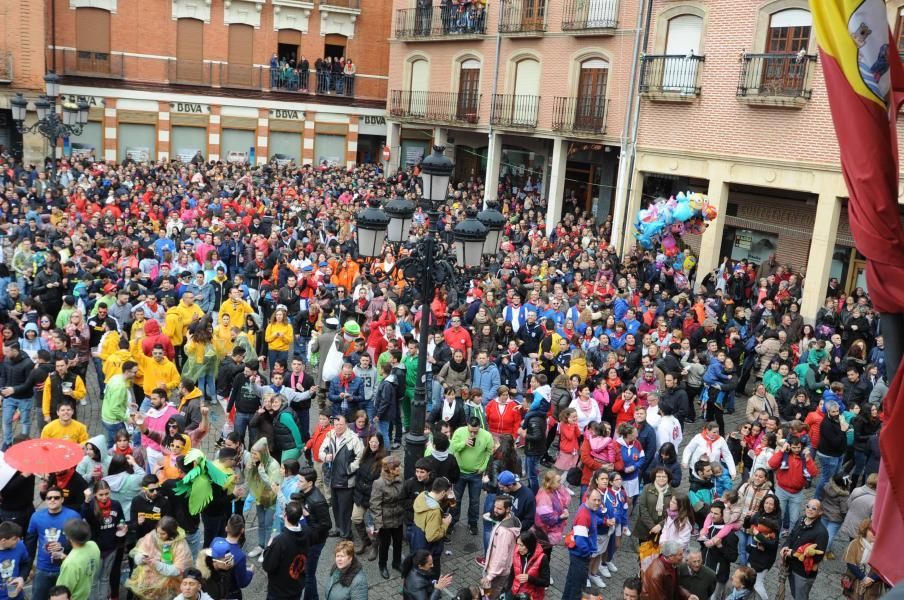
(219, 548)
(507, 478)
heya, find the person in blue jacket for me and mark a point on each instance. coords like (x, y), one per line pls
(14, 561)
(581, 543)
(46, 539)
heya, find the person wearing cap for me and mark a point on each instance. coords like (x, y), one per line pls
(191, 587)
(223, 565)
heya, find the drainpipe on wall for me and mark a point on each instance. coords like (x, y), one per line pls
(629, 136)
(53, 33)
(493, 99)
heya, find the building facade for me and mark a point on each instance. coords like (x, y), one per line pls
(733, 104)
(21, 62)
(727, 99)
(169, 78)
(532, 91)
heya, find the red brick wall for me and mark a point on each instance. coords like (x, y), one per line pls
(148, 28)
(22, 34)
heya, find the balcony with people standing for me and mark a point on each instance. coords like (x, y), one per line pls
(466, 19)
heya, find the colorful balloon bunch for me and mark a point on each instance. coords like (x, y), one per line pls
(664, 222)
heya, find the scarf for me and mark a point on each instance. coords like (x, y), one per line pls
(347, 575)
(345, 380)
(63, 478)
(458, 367)
(867, 551)
(126, 452)
(660, 500)
(710, 442)
(448, 410)
(440, 456)
(105, 508)
(585, 406)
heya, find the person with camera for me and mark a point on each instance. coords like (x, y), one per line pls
(794, 468)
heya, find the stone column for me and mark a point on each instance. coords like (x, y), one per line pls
(556, 184)
(494, 156)
(711, 242)
(822, 247)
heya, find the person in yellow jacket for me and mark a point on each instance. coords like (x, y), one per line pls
(113, 359)
(278, 336)
(62, 384)
(236, 308)
(188, 311)
(172, 328)
(157, 370)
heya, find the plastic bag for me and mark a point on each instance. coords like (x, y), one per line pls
(332, 364)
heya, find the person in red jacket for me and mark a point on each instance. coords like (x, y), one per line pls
(313, 445)
(153, 336)
(794, 468)
(503, 414)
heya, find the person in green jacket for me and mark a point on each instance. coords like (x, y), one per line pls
(81, 564)
(472, 447)
(118, 396)
(410, 362)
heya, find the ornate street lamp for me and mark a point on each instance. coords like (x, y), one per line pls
(51, 125)
(494, 222)
(429, 265)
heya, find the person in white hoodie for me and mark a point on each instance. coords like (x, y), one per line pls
(668, 427)
(709, 444)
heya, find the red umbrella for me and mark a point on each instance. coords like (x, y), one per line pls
(43, 456)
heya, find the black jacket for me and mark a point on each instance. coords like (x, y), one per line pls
(535, 435)
(244, 396)
(15, 373)
(282, 558)
(447, 468)
(226, 375)
(677, 401)
(411, 489)
(419, 586)
(319, 521)
(151, 510)
(179, 504)
(367, 473)
(385, 399)
(458, 414)
(864, 428)
(832, 440)
(801, 534)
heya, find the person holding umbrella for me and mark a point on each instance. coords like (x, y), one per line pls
(46, 541)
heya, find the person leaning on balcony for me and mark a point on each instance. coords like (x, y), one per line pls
(349, 71)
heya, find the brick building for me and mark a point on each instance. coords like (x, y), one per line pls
(528, 90)
(728, 99)
(168, 78)
(21, 61)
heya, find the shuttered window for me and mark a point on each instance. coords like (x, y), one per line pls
(287, 144)
(190, 50)
(186, 141)
(241, 40)
(330, 148)
(236, 144)
(92, 40)
(137, 142)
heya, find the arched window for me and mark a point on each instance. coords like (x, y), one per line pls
(590, 109)
(789, 31)
(684, 33)
(525, 102)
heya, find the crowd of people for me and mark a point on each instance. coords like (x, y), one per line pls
(209, 302)
(331, 75)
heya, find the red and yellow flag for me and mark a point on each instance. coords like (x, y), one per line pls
(864, 80)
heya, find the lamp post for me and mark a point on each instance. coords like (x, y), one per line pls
(51, 125)
(428, 266)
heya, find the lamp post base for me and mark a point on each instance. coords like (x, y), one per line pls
(415, 444)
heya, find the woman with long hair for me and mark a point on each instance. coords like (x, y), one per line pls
(278, 336)
(368, 472)
(552, 506)
(679, 521)
(80, 342)
(530, 567)
(160, 557)
(108, 529)
(387, 508)
(865, 583)
(763, 529)
(261, 475)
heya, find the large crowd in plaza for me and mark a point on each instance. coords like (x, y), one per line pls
(193, 303)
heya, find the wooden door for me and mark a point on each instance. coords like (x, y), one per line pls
(241, 44)
(468, 91)
(590, 107)
(189, 50)
(783, 70)
(533, 15)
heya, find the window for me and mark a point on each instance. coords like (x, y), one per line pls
(789, 31)
(189, 50)
(288, 47)
(788, 37)
(92, 32)
(468, 91)
(590, 110)
(241, 43)
(419, 86)
(334, 45)
(683, 36)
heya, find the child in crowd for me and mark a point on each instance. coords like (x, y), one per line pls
(569, 446)
(731, 517)
(721, 478)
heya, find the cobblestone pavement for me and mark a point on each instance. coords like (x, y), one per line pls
(460, 554)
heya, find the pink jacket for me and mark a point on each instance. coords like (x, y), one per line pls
(549, 510)
(608, 452)
(502, 546)
(601, 395)
(157, 423)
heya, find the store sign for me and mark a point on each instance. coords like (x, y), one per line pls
(372, 125)
(290, 115)
(93, 101)
(191, 108)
